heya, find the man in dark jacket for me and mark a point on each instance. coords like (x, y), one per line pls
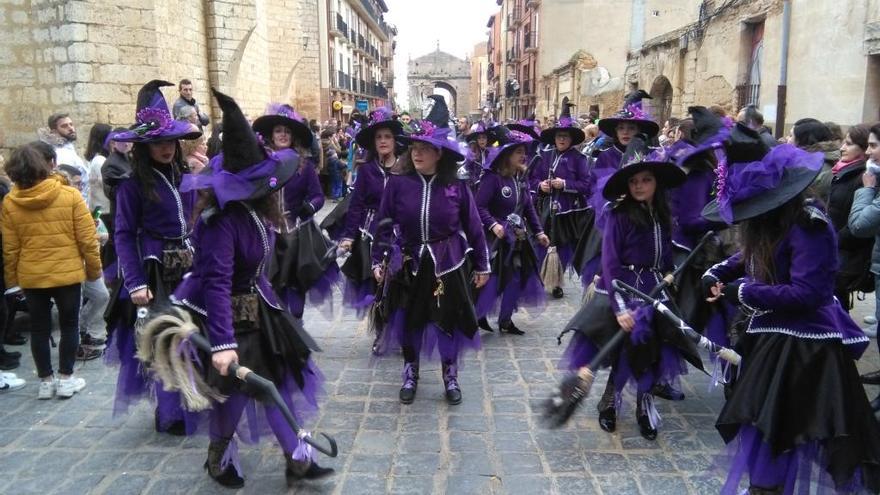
(753, 119)
(186, 99)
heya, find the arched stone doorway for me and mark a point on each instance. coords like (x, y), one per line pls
(452, 101)
(661, 104)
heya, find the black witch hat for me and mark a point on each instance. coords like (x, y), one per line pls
(245, 170)
(564, 123)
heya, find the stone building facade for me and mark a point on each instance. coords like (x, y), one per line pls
(440, 70)
(90, 57)
(726, 52)
(479, 82)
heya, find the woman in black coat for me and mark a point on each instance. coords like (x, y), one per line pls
(854, 253)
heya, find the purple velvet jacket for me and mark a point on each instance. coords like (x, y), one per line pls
(303, 188)
(609, 158)
(365, 199)
(231, 253)
(570, 166)
(500, 196)
(143, 226)
(440, 220)
(801, 303)
(635, 254)
(686, 203)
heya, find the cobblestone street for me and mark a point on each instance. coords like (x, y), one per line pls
(493, 442)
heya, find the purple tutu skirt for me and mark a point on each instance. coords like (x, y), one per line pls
(134, 383)
(430, 342)
(504, 301)
(320, 294)
(359, 296)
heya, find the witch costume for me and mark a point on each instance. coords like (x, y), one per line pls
(797, 413)
(504, 200)
(565, 213)
(360, 223)
(474, 164)
(154, 251)
(588, 253)
(638, 253)
(428, 301)
(229, 295)
(300, 267)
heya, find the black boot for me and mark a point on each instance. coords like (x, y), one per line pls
(176, 428)
(607, 409)
(8, 361)
(15, 338)
(450, 379)
(557, 293)
(303, 470)
(645, 402)
(227, 477)
(667, 391)
(410, 383)
(484, 324)
(510, 328)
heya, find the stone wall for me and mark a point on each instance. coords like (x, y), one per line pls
(90, 57)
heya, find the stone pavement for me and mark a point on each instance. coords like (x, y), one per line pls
(492, 443)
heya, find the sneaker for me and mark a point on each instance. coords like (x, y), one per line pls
(10, 382)
(70, 386)
(870, 320)
(47, 389)
(87, 353)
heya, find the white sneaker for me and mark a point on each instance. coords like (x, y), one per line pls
(9, 382)
(870, 320)
(871, 332)
(70, 386)
(47, 389)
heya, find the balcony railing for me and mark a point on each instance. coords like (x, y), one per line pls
(530, 42)
(514, 18)
(748, 94)
(490, 72)
(340, 27)
(343, 81)
(512, 55)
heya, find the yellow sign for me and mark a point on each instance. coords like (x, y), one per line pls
(337, 105)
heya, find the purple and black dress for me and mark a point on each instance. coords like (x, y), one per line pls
(797, 406)
(154, 252)
(515, 280)
(302, 265)
(360, 227)
(428, 301)
(654, 354)
(233, 247)
(565, 213)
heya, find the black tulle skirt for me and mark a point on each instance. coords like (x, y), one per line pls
(276, 347)
(300, 258)
(801, 399)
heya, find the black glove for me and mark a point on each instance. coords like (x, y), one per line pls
(731, 293)
(706, 284)
(306, 210)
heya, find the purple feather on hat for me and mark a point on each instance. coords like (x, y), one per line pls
(284, 110)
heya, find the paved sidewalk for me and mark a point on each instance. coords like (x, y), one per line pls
(493, 442)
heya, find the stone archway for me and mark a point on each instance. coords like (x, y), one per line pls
(661, 104)
(453, 101)
(444, 71)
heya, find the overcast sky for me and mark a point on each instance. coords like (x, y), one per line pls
(457, 24)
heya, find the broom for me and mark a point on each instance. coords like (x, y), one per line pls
(562, 404)
(169, 348)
